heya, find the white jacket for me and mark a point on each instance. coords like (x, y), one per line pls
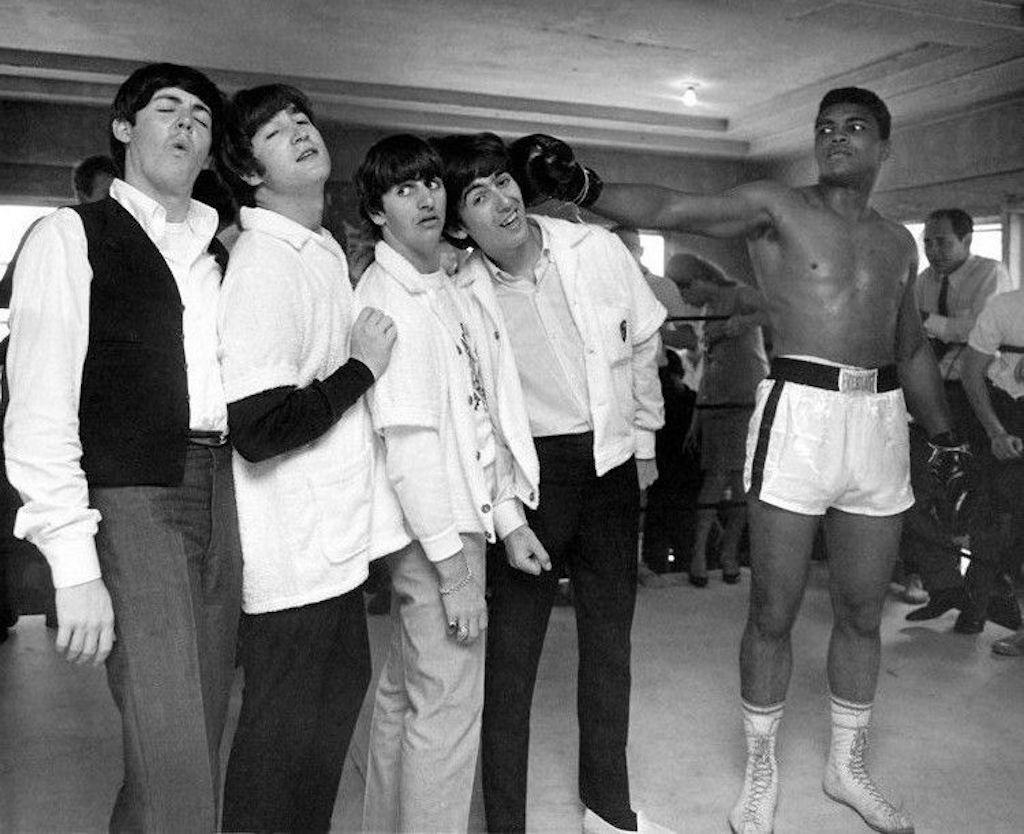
(618, 318)
(425, 352)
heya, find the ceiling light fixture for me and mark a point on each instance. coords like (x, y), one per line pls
(690, 96)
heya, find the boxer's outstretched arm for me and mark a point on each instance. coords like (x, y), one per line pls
(732, 214)
(546, 167)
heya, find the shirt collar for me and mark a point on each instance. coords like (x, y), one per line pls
(506, 279)
(404, 272)
(284, 228)
(201, 220)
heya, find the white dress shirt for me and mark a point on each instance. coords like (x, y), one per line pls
(1001, 323)
(548, 347)
(49, 323)
(970, 285)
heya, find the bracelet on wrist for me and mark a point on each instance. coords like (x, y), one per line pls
(458, 586)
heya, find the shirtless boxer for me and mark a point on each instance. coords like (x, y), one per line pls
(839, 282)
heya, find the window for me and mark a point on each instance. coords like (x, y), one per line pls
(14, 221)
(653, 256)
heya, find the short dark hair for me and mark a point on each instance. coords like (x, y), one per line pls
(210, 188)
(138, 89)
(468, 158)
(959, 219)
(88, 169)
(865, 98)
(247, 112)
(394, 159)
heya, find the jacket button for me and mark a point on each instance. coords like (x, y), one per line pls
(486, 508)
(496, 336)
(532, 496)
(478, 455)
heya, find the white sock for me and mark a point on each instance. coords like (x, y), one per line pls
(761, 721)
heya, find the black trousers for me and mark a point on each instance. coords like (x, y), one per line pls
(589, 526)
(926, 547)
(306, 673)
(997, 517)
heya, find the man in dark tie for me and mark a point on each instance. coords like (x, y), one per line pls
(951, 293)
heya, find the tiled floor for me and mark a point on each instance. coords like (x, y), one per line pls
(949, 735)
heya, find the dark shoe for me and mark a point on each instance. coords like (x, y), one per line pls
(942, 601)
(698, 580)
(730, 578)
(8, 619)
(1012, 646)
(968, 622)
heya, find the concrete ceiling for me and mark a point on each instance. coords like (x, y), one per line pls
(600, 72)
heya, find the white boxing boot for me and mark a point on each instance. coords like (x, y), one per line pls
(754, 811)
(846, 777)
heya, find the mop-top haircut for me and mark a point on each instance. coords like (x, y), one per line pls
(138, 89)
(248, 111)
(393, 160)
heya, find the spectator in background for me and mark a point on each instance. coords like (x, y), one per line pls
(993, 377)
(92, 178)
(666, 520)
(951, 292)
(735, 361)
(673, 334)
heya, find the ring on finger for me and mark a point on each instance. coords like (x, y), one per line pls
(463, 631)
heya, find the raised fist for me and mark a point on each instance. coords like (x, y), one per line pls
(950, 464)
(545, 167)
(373, 336)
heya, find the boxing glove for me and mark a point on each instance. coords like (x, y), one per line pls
(546, 167)
(950, 464)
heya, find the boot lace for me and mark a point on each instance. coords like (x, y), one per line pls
(858, 772)
(762, 772)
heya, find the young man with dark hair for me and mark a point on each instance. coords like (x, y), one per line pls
(584, 330)
(92, 177)
(115, 440)
(829, 432)
(458, 449)
(313, 503)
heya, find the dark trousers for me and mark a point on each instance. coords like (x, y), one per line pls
(589, 526)
(171, 561)
(306, 672)
(926, 546)
(997, 517)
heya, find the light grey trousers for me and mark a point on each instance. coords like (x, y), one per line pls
(425, 734)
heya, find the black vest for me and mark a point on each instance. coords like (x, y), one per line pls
(133, 413)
